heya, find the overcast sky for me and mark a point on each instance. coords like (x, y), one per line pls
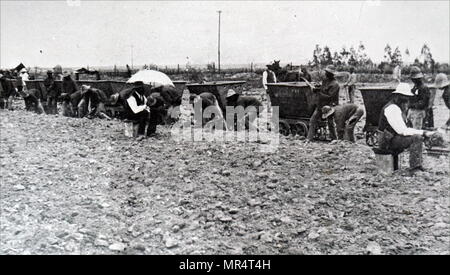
(173, 32)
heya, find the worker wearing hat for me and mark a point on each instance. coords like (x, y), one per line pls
(53, 91)
(136, 108)
(442, 83)
(8, 90)
(268, 76)
(158, 112)
(394, 135)
(21, 85)
(327, 96)
(68, 84)
(345, 117)
(351, 85)
(92, 103)
(419, 103)
(24, 75)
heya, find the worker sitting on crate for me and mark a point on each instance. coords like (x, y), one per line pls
(420, 101)
(135, 104)
(249, 104)
(345, 117)
(92, 103)
(393, 134)
(327, 96)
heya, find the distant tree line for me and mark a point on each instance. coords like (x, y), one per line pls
(357, 57)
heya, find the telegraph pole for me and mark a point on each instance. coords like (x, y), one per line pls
(218, 53)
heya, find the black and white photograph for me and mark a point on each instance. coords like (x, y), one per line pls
(227, 128)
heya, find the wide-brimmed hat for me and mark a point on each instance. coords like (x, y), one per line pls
(327, 111)
(403, 89)
(415, 72)
(231, 93)
(85, 88)
(331, 69)
(441, 81)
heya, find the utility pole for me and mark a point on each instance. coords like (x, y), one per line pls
(218, 53)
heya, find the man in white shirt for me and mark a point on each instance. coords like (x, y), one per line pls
(136, 108)
(268, 77)
(351, 85)
(394, 135)
(397, 73)
(24, 75)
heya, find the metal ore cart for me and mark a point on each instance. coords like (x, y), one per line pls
(219, 89)
(297, 102)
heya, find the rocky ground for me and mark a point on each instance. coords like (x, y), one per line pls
(79, 186)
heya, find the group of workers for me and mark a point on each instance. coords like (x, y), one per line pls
(408, 106)
(76, 102)
(401, 122)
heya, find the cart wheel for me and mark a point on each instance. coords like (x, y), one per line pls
(300, 129)
(372, 139)
(285, 130)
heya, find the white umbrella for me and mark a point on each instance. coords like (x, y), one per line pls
(151, 77)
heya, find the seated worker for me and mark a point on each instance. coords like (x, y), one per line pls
(327, 96)
(92, 103)
(345, 117)
(136, 109)
(234, 99)
(441, 82)
(394, 135)
(32, 100)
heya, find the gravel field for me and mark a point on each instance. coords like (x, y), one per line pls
(79, 186)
